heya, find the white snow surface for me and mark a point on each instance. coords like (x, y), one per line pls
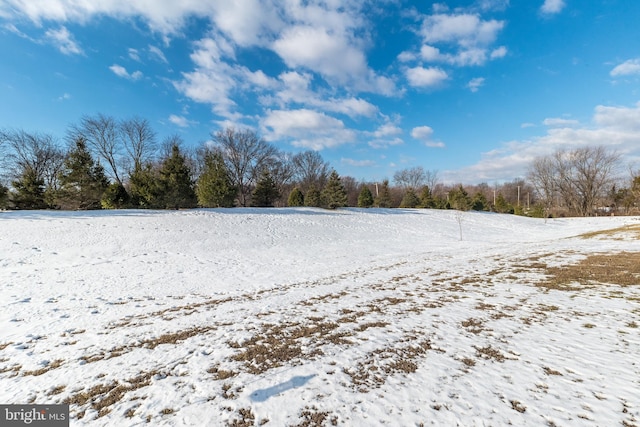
(304, 316)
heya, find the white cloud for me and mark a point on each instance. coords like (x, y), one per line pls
(527, 125)
(386, 135)
(65, 96)
(423, 134)
(464, 39)
(559, 122)
(627, 68)
(158, 54)
(425, 77)
(120, 71)
(180, 121)
(357, 163)
(466, 30)
(550, 7)
(306, 128)
(316, 49)
(134, 54)
(63, 40)
(475, 84)
(499, 52)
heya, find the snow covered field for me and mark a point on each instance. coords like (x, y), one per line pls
(310, 317)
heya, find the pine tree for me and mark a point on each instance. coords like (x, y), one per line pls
(426, 199)
(266, 191)
(313, 198)
(384, 197)
(175, 178)
(29, 191)
(502, 206)
(115, 197)
(4, 197)
(410, 199)
(365, 198)
(479, 202)
(459, 199)
(145, 188)
(296, 198)
(214, 187)
(334, 193)
(82, 180)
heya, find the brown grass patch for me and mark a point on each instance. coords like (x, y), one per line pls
(5, 345)
(221, 374)
(621, 269)
(276, 345)
(381, 363)
(489, 352)
(312, 417)
(550, 371)
(53, 365)
(615, 233)
(103, 396)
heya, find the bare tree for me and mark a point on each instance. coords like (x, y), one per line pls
(246, 155)
(139, 141)
(579, 177)
(282, 171)
(414, 178)
(32, 152)
(103, 136)
(542, 177)
(310, 170)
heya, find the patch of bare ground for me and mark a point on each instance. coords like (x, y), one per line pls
(622, 269)
(52, 365)
(489, 353)
(475, 326)
(221, 374)
(246, 418)
(169, 338)
(103, 396)
(312, 417)
(5, 345)
(620, 233)
(276, 345)
(381, 363)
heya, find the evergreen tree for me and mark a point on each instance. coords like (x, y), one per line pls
(82, 180)
(313, 198)
(410, 199)
(334, 193)
(479, 202)
(145, 188)
(384, 197)
(115, 197)
(4, 197)
(214, 187)
(365, 198)
(175, 179)
(459, 199)
(502, 206)
(426, 199)
(296, 198)
(266, 191)
(29, 191)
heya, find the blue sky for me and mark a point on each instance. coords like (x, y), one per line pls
(472, 89)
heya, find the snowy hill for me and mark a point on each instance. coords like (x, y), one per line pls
(286, 316)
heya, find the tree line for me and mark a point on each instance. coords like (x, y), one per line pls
(104, 163)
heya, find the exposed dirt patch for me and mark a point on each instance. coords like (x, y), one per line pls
(622, 269)
(278, 344)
